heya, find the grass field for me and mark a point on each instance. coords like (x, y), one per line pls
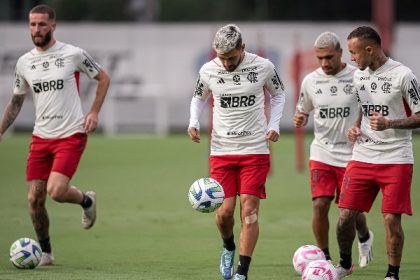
(146, 228)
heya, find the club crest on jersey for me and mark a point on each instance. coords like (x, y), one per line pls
(386, 87)
(252, 77)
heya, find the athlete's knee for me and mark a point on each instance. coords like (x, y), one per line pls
(225, 213)
(346, 218)
(250, 216)
(57, 193)
(37, 193)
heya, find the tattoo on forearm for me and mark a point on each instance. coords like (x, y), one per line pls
(12, 111)
(408, 123)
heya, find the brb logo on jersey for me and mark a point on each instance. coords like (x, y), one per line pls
(368, 110)
(332, 113)
(237, 101)
(48, 86)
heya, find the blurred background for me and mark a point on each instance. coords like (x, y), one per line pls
(153, 49)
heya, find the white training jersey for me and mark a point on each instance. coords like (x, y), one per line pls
(239, 121)
(335, 107)
(53, 76)
(393, 91)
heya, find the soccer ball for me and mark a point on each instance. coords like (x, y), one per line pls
(304, 255)
(206, 195)
(320, 270)
(25, 253)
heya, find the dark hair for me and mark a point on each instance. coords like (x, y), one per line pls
(365, 33)
(43, 9)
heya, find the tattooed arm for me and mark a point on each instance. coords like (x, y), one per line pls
(379, 122)
(11, 112)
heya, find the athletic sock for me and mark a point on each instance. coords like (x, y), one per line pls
(345, 260)
(393, 271)
(45, 245)
(363, 239)
(229, 243)
(243, 265)
(86, 202)
(327, 253)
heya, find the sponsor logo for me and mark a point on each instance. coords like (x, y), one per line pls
(333, 89)
(248, 69)
(333, 113)
(33, 67)
(17, 81)
(319, 91)
(363, 87)
(221, 81)
(349, 81)
(376, 142)
(88, 65)
(365, 78)
(237, 101)
(414, 92)
(368, 110)
(252, 77)
(386, 87)
(321, 82)
(48, 86)
(239, 133)
(45, 65)
(276, 81)
(222, 72)
(386, 79)
(59, 117)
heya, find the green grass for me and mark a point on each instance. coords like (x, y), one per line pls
(146, 228)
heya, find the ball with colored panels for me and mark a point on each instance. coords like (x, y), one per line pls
(320, 270)
(304, 255)
(206, 195)
(25, 253)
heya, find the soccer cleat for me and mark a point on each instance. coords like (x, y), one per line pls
(366, 251)
(226, 263)
(239, 277)
(89, 214)
(46, 259)
(342, 272)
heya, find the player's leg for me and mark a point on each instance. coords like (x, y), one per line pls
(321, 224)
(324, 185)
(365, 240)
(67, 153)
(395, 181)
(394, 237)
(37, 194)
(253, 174)
(222, 169)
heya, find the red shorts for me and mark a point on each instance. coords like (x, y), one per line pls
(60, 155)
(325, 179)
(241, 174)
(362, 182)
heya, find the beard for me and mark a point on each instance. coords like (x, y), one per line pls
(44, 40)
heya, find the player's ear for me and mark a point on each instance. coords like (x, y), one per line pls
(369, 49)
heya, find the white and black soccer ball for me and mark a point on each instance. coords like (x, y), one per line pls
(320, 270)
(25, 253)
(206, 195)
(304, 255)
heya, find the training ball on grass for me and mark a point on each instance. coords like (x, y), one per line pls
(25, 253)
(206, 195)
(320, 270)
(304, 255)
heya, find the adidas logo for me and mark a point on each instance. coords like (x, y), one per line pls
(363, 87)
(319, 91)
(221, 81)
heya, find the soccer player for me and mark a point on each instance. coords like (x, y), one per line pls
(328, 92)
(382, 160)
(51, 72)
(239, 156)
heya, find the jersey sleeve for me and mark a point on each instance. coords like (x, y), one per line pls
(273, 84)
(86, 64)
(304, 104)
(202, 88)
(411, 91)
(20, 86)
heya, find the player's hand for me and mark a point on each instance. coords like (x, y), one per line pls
(300, 119)
(273, 136)
(91, 122)
(194, 134)
(353, 133)
(378, 122)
